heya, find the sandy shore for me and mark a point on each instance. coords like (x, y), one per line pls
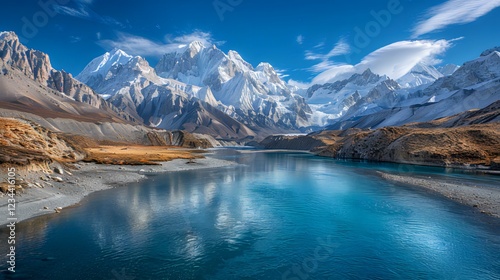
(484, 198)
(50, 194)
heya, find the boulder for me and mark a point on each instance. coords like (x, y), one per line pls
(59, 170)
(57, 179)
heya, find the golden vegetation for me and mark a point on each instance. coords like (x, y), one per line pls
(27, 144)
(137, 155)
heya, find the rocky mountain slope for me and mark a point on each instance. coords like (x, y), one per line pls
(27, 143)
(257, 97)
(332, 100)
(133, 86)
(28, 91)
(469, 138)
(419, 75)
(474, 85)
(199, 89)
(17, 59)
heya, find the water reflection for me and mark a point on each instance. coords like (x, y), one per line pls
(257, 220)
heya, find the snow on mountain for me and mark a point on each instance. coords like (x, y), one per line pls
(420, 74)
(332, 100)
(383, 96)
(100, 67)
(255, 96)
(131, 84)
(489, 51)
(36, 65)
(474, 72)
(448, 69)
(474, 85)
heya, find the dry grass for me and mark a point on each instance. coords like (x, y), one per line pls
(138, 155)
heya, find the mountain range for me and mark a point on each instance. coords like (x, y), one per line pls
(199, 89)
(202, 90)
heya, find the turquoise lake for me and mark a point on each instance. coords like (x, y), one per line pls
(277, 215)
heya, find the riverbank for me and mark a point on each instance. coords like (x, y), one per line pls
(485, 199)
(52, 196)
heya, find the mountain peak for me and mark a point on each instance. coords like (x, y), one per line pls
(117, 51)
(490, 51)
(234, 54)
(448, 69)
(368, 72)
(102, 64)
(420, 74)
(367, 77)
(8, 36)
(195, 47)
(264, 66)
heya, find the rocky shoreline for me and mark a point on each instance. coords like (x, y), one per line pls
(52, 196)
(484, 198)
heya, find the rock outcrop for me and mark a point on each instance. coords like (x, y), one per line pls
(468, 139)
(35, 65)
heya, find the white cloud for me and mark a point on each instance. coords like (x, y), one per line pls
(336, 72)
(137, 45)
(75, 39)
(203, 37)
(281, 73)
(453, 12)
(82, 11)
(299, 84)
(300, 39)
(319, 45)
(339, 49)
(393, 60)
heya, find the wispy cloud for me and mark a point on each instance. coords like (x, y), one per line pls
(453, 12)
(75, 39)
(393, 60)
(281, 73)
(137, 45)
(299, 84)
(197, 35)
(82, 10)
(300, 39)
(319, 45)
(339, 49)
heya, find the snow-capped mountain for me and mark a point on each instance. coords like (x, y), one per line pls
(474, 85)
(131, 84)
(332, 100)
(420, 74)
(448, 69)
(254, 96)
(36, 65)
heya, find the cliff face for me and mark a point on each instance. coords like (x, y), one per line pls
(469, 138)
(116, 132)
(19, 64)
(470, 145)
(26, 143)
(291, 142)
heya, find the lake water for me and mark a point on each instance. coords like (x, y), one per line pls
(275, 216)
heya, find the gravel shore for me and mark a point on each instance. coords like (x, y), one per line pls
(484, 198)
(46, 195)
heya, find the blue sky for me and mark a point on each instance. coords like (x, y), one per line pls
(308, 41)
